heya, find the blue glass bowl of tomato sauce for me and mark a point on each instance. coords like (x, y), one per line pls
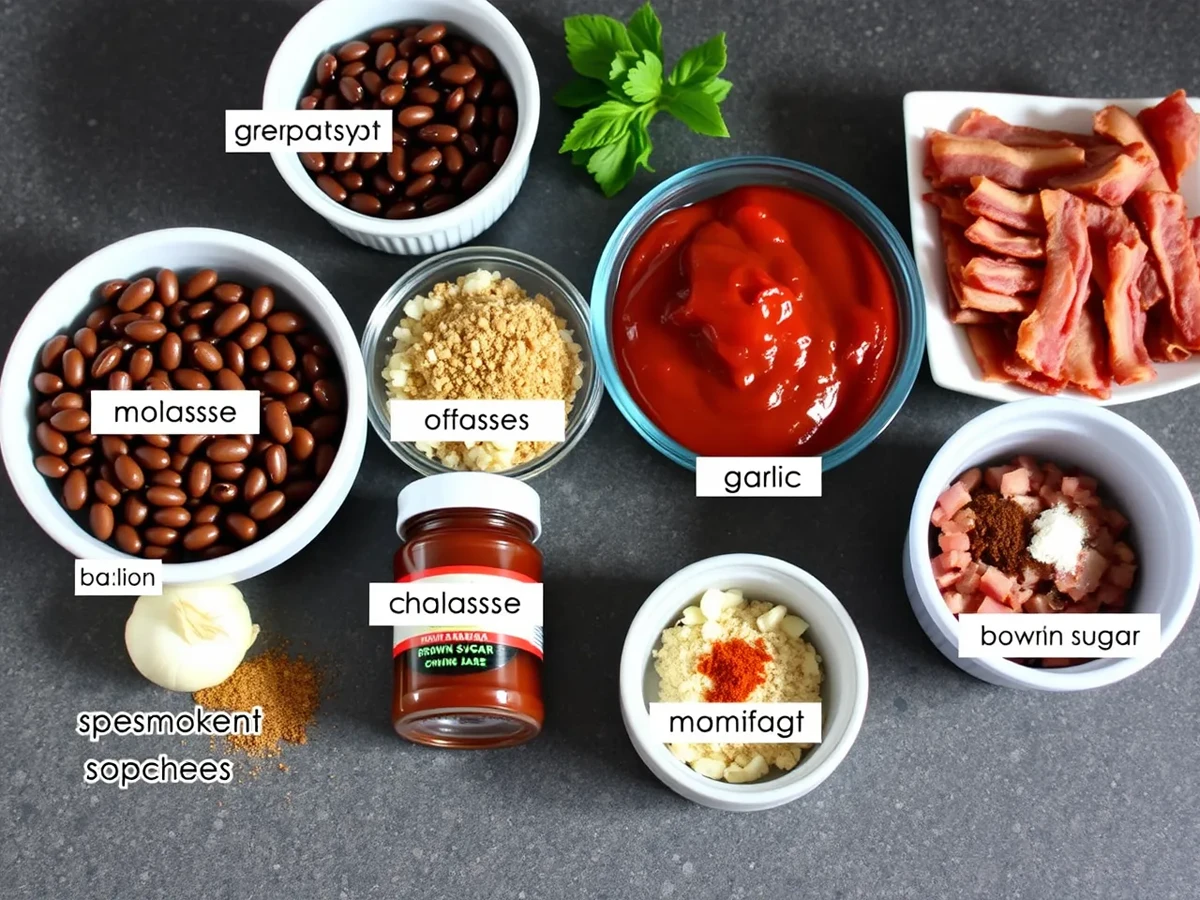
(710, 179)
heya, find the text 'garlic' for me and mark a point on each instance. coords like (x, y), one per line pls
(191, 637)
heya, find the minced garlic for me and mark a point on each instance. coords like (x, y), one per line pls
(483, 337)
(792, 675)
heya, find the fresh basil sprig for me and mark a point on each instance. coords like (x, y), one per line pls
(621, 83)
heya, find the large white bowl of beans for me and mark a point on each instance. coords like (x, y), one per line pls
(465, 97)
(185, 309)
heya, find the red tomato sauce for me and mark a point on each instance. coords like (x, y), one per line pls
(760, 322)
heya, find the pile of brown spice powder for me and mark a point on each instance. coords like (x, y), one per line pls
(287, 689)
(1000, 537)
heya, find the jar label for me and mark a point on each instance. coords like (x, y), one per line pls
(464, 649)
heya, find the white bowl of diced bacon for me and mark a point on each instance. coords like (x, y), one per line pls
(1054, 243)
(1139, 538)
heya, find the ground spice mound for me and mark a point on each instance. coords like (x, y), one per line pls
(1000, 537)
(483, 337)
(287, 689)
(735, 668)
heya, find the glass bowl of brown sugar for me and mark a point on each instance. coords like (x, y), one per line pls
(412, 324)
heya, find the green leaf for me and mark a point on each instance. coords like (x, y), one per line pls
(591, 43)
(600, 126)
(639, 141)
(645, 30)
(718, 89)
(698, 111)
(613, 165)
(621, 64)
(700, 64)
(644, 82)
(582, 92)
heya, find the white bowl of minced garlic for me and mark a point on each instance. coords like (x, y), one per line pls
(482, 323)
(808, 650)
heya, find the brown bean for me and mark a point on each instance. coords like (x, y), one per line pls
(474, 90)
(385, 53)
(297, 403)
(227, 381)
(106, 360)
(84, 438)
(167, 478)
(229, 292)
(206, 514)
(223, 492)
(106, 492)
(262, 301)
(161, 536)
(368, 161)
(431, 34)
(98, 318)
(145, 331)
(279, 382)
(276, 462)
(190, 443)
(51, 441)
(501, 90)
(152, 457)
(439, 55)
(408, 46)
(383, 185)
(396, 164)
(392, 94)
(191, 333)
(457, 74)
(170, 352)
(51, 466)
(412, 116)
(427, 161)
(244, 528)
(373, 82)
(233, 318)
(352, 50)
(86, 341)
(326, 67)
(252, 335)
(230, 471)
(67, 400)
(398, 71)
(454, 101)
(199, 284)
(438, 203)
(135, 510)
(128, 472)
(100, 521)
(53, 350)
(81, 456)
(299, 492)
(282, 352)
(70, 420)
(199, 478)
(161, 495)
(350, 88)
(419, 186)
(500, 149)
(477, 176)
(367, 204)
(506, 119)
(134, 296)
(425, 95)
(420, 66)
(255, 484)
(112, 447)
(351, 181)
(438, 134)
(469, 145)
(119, 380)
(140, 364)
(161, 441)
(452, 159)
(259, 359)
(74, 367)
(284, 322)
(325, 427)
(483, 58)
(226, 450)
(301, 445)
(128, 538)
(332, 187)
(75, 490)
(172, 516)
(47, 383)
(267, 505)
(198, 312)
(191, 380)
(207, 357)
(200, 536)
(325, 456)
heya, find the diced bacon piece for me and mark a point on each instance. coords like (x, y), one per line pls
(1045, 335)
(1121, 575)
(996, 202)
(1086, 577)
(950, 208)
(1088, 483)
(1175, 133)
(1015, 483)
(949, 526)
(987, 301)
(1117, 125)
(978, 123)
(1111, 597)
(1004, 241)
(1051, 496)
(1163, 217)
(1119, 257)
(968, 581)
(991, 607)
(993, 475)
(943, 575)
(1038, 603)
(965, 517)
(1087, 500)
(1070, 485)
(971, 478)
(1103, 541)
(1030, 576)
(1030, 465)
(1018, 598)
(954, 498)
(1003, 276)
(955, 560)
(991, 349)
(995, 584)
(955, 602)
(1083, 605)
(1086, 366)
(1121, 550)
(956, 159)
(950, 542)
(1054, 475)
(939, 517)
(1031, 503)
(1112, 174)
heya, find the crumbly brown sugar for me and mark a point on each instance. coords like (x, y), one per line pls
(483, 337)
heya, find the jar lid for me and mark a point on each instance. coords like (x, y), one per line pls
(469, 490)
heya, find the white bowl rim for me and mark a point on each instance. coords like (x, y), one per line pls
(1097, 673)
(524, 82)
(15, 395)
(648, 624)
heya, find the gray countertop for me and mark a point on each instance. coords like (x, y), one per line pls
(113, 124)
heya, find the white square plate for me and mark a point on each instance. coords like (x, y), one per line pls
(950, 358)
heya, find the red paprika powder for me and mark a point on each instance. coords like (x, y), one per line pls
(735, 668)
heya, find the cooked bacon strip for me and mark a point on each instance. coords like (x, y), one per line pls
(1112, 174)
(989, 301)
(1020, 372)
(1117, 125)
(1118, 256)
(991, 348)
(1043, 338)
(950, 208)
(1003, 276)
(1168, 231)
(992, 201)
(1086, 365)
(982, 124)
(1150, 286)
(955, 159)
(1174, 131)
(1003, 241)
(1162, 338)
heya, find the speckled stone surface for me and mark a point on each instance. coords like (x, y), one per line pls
(112, 124)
